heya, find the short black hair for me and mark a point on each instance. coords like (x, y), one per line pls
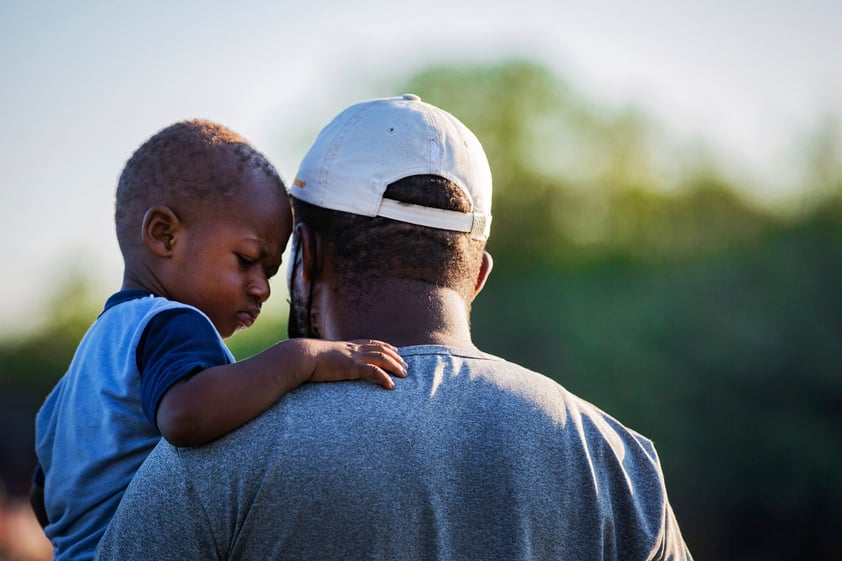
(181, 166)
(365, 248)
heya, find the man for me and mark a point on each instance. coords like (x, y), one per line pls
(470, 457)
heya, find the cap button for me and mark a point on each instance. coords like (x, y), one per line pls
(410, 97)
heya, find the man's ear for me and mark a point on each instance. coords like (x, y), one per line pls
(484, 270)
(159, 229)
(311, 251)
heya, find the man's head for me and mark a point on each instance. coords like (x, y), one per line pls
(202, 218)
(395, 189)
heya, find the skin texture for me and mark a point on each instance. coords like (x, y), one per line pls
(405, 312)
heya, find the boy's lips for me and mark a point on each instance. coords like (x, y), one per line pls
(248, 317)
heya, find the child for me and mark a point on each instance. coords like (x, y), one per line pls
(202, 219)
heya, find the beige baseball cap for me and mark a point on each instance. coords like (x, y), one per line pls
(374, 143)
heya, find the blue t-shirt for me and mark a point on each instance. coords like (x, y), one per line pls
(175, 345)
(98, 424)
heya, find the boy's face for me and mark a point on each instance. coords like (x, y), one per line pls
(222, 260)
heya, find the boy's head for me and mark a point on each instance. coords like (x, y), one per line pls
(202, 218)
(185, 166)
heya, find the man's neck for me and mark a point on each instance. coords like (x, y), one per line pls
(404, 313)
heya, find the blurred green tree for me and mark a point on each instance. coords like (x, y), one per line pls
(575, 181)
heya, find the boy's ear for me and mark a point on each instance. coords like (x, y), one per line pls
(159, 229)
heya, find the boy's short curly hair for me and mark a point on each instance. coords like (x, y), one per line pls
(365, 248)
(182, 166)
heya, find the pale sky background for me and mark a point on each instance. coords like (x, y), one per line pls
(84, 83)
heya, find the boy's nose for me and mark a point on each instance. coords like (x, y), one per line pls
(259, 287)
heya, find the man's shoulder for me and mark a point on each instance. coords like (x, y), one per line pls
(547, 395)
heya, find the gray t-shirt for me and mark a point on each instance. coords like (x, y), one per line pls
(470, 457)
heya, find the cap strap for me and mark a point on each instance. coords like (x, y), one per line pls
(476, 223)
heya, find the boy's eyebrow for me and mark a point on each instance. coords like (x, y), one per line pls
(254, 240)
(261, 244)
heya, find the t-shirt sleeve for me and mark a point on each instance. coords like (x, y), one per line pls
(176, 344)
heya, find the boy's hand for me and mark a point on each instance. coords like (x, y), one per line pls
(361, 359)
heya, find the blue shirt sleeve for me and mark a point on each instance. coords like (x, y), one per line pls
(176, 344)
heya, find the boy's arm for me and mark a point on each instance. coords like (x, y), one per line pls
(219, 399)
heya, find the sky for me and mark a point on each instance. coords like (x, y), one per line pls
(84, 84)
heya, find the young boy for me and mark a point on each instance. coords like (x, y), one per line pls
(202, 219)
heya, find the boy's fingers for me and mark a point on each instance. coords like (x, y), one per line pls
(379, 376)
(373, 342)
(391, 362)
(386, 357)
(374, 345)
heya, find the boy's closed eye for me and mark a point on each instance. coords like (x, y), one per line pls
(245, 261)
(270, 269)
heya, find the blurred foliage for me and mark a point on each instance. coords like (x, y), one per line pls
(575, 182)
(628, 268)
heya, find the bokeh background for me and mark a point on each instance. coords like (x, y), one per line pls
(667, 211)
